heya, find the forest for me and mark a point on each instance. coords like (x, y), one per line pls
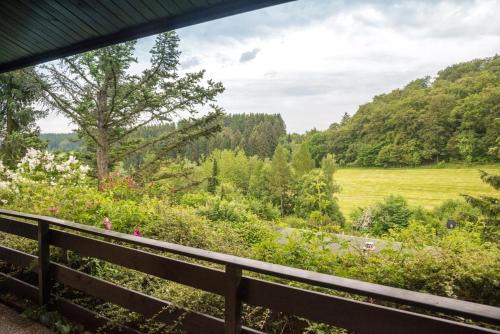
(240, 184)
(454, 117)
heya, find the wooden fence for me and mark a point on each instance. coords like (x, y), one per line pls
(353, 315)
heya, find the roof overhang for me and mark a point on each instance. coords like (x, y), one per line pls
(33, 32)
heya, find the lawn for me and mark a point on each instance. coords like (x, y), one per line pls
(426, 187)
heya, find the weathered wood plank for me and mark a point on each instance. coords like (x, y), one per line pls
(189, 274)
(232, 308)
(16, 286)
(18, 228)
(163, 311)
(43, 263)
(346, 313)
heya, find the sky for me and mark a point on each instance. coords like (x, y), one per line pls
(314, 60)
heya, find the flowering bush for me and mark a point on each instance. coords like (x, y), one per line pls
(120, 187)
(41, 167)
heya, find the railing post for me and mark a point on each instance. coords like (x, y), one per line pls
(232, 308)
(43, 263)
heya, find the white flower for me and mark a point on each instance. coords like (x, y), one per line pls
(72, 160)
(49, 156)
(31, 152)
(4, 185)
(49, 166)
(4, 201)
(14, 177)
(33, 163)
(61, 168)
(84, 169)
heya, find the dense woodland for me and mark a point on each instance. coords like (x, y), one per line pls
(235, 183)
(256, 134)
(453, 117)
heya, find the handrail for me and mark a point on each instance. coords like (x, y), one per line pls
(436, 303)
(407, 297)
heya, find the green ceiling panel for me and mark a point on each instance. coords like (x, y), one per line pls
(35, 31)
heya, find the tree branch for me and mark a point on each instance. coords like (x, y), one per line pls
(80, 74)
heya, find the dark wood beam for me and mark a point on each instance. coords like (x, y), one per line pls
(212, 12)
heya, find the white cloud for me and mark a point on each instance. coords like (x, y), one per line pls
(319, 59)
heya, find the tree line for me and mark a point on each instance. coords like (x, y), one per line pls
(256, 134)
(453, 117)
(134, 119)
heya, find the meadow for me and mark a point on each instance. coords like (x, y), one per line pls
(426, 187)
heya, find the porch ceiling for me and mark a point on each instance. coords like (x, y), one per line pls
(36, 31)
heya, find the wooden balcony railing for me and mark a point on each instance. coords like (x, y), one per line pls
(353, 315)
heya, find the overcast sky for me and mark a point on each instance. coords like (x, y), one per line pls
(313, 60)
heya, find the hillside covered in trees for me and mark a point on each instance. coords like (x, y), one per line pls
(256, 134)
(453, 117)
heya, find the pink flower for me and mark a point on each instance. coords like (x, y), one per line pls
(136, 232)
(107, 223)
(54, 209)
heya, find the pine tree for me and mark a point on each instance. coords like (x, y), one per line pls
(302, 161)
(98, 92)
(18, 114)
(213, 180)
(280, 176)
(328, 165)
(489, 207)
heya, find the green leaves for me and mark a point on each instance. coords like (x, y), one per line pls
(110, 105)
(450, 118)
(19, 111)
(302, 161)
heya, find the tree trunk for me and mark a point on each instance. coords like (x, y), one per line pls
(102, 157)
(102, 154)
(281, 205)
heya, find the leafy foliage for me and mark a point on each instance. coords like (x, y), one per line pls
(489, 207)
(18, 115)
(213, 181)
(392, 213)
(109, 104)
(302, 161)
(315, 199)
(453, 117)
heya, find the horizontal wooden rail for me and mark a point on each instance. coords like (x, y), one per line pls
(78, 313)
(160, 266)
(406, 297)
(318, 307)
(341, 312)
(192, 322)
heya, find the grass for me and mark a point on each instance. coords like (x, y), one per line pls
(426, 187)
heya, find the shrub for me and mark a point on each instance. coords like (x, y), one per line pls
(458, 210)
(314, 193)
(392, 213)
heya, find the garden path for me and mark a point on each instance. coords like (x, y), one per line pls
(12, 322)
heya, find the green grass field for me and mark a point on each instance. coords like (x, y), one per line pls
(426, 187)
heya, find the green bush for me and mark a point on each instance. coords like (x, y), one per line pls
(458, 265)
(392, 213)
